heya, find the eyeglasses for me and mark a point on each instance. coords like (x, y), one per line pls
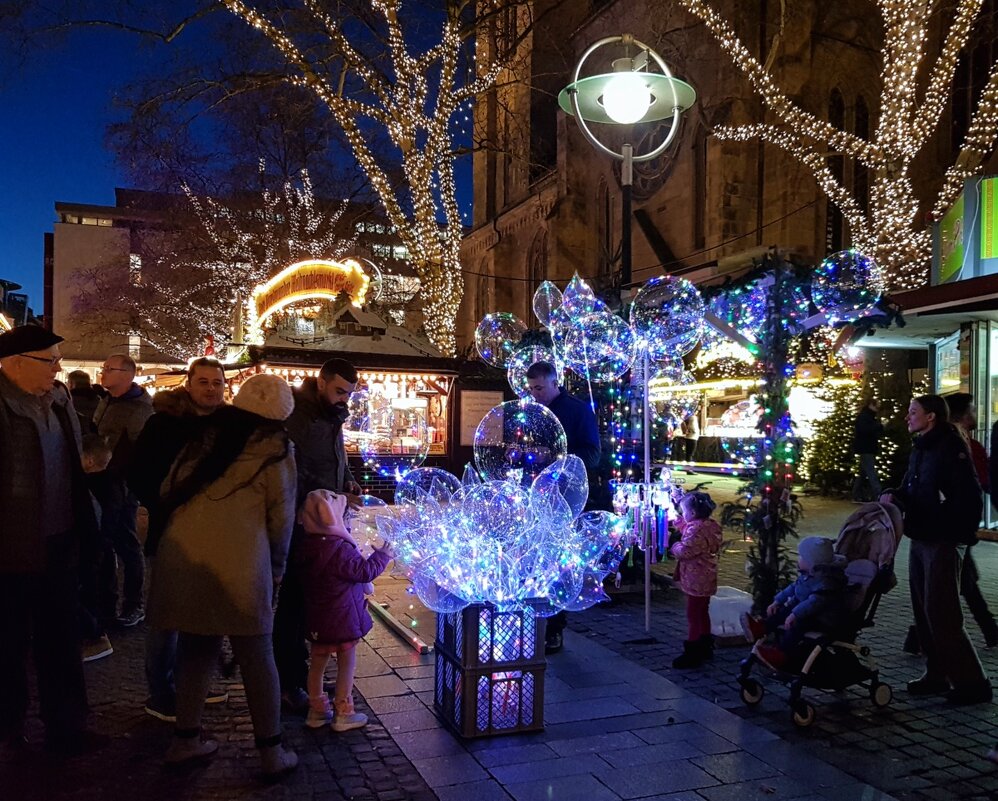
(51, 361)
(115, 370)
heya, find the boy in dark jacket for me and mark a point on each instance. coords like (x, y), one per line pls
(816, 601)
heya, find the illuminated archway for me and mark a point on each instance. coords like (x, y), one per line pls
(306, 280)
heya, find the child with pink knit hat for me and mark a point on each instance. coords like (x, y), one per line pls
(335, 575)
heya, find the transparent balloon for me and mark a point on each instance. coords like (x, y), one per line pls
(396, 442)
(522, 360)
(426, 482)
(363, 522)
(667, 317)
(846, 286)
(547, 298)
(517, 440)
(600, 347)
(579, 299)
(674, 400)
(497, 336)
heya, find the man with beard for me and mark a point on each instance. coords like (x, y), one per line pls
(316, 428)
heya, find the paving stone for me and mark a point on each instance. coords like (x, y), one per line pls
(664, 777)
(564, 788)
(774, 788)
(514, 755)
(594, 744)
(734, 767)
(378, 686)
(487, 790)
(547, 769)
(428, 743)
(452, 769)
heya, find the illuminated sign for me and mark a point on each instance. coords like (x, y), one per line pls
(307, 280)
(989, 218)
(951, 246)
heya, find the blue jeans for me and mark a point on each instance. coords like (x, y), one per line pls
(161, 658)
(867, 475)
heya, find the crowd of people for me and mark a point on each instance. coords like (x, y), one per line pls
(248, 538)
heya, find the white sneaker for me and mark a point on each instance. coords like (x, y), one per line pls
(189, 750)
(319, 713)
(354, 720)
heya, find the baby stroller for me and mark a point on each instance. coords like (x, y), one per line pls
(832, 660)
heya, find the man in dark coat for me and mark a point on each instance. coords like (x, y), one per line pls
(942, 502)
(119, 418)
(48, 520)
(867, 432)
(174, 424)
(582, 434)
(316, 429)
(85, 399)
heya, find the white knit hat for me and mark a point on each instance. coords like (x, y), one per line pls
(266, 395)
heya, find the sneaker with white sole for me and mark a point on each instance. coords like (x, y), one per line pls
(161, 710)
(216, 697)
(319, 712)
(132, 617)
(346, 718)
(189, 751)
(92, 650)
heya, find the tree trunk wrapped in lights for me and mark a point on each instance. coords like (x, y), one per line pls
(890, 229)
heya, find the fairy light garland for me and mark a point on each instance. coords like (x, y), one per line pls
(890, 231)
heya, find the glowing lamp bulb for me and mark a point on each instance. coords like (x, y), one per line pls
(626, 97)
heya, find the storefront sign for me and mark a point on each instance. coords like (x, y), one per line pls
(989, 218)
(475, 404)
(965, 240)
(951, 243)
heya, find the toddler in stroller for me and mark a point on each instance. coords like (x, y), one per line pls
(822, 613)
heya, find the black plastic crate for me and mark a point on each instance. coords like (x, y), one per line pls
(482, 702)
(479, 636)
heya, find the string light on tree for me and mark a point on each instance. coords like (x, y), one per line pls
(890, 230)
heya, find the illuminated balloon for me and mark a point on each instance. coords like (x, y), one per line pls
(498, 336)
(518, 439)
(363, 522)
(600, 347)
(672, 399)
(521, 361)
(426, 482)
(667, 317)
(396, 442)
(547, 298)
(579, 299)
(846, 286)
(743, 450)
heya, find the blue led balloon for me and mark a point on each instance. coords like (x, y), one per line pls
(600, 347)
(667, 317)
(547, 298)
(497, 336)
(518, 438)
(846, 286)
(520, 362)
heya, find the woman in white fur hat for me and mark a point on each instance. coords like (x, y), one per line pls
(229, 499)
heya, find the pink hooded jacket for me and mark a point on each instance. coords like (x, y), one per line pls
(334, 572)
(697, 551)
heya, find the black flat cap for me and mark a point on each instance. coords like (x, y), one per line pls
(25, 339)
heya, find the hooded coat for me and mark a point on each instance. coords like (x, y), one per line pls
(334, 573)
(222, 551)
(697, 553)
(817, 599)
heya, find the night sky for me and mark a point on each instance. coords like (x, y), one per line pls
(54, 110)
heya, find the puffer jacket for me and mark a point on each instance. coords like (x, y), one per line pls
(697, 553)
(940, 493)
(334, 572)
(817, 599)
(318, 437)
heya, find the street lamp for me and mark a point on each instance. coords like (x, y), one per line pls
(628, 95)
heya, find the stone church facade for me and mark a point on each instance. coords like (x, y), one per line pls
(547, 204)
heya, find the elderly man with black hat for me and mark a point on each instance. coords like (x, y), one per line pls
(47, 516)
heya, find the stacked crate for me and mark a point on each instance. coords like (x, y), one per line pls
(490, 671)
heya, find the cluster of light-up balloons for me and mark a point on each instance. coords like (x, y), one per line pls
(512, 532)
(666, 321)
(391, 440)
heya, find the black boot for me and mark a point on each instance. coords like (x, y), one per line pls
(691, 657)
(706, 643)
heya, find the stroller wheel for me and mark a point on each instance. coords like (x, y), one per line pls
(752, 691)
(803, 714)
(881, 694)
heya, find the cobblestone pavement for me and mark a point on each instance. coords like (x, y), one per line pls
(914, 749)
(361, 764)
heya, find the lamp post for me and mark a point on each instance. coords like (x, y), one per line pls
(629, 95)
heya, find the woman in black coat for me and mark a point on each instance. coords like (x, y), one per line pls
(942, 501)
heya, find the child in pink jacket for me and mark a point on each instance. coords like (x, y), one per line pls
(335, 578)
(696, 574)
